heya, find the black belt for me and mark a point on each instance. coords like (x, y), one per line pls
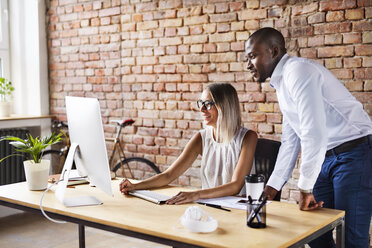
(347, 146)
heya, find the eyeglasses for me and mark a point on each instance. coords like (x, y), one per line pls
(207, 104)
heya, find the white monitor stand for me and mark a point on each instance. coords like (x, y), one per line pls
(74, 201)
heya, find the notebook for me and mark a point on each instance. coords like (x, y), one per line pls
(150, 196)
(74, 178)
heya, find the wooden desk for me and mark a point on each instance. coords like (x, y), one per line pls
(287, 225)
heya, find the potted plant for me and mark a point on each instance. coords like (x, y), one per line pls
(6, 89)
(36, 169)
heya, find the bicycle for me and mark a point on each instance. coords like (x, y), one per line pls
(136, 161)
(60, 155)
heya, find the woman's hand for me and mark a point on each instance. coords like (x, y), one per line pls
(184, 197)
(126, 186)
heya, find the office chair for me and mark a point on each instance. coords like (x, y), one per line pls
(265, 158)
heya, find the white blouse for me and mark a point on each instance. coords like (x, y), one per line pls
(219, 160)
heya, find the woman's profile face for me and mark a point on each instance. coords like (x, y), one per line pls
(209, 116)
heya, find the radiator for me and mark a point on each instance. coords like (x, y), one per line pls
(11, 169)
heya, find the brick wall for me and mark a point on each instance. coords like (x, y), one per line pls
(150, 60)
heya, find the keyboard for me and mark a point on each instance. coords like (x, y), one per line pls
(150, 196)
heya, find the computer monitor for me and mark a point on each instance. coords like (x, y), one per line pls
(88, 150)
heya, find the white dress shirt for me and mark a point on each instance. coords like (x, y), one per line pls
(319, 113)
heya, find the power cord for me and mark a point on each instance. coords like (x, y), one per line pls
(41, 204)
(45, 191)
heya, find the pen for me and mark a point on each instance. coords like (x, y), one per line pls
(256, 211)
(262, 194)
(214, 206)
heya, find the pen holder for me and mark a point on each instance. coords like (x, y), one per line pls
(256, 214)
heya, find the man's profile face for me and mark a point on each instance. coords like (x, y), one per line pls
(259, 60)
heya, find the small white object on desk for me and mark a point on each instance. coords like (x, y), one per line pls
(195, 219)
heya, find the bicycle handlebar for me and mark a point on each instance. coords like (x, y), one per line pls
(123, 123)
(59, 124)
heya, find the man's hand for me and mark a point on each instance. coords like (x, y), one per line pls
(270, 192)
(184, 197)
(307, 202)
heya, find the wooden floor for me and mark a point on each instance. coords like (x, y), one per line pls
(20, 229)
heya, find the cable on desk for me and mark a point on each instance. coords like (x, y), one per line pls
(41, 205)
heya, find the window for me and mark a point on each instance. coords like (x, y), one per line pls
(4, 39)
(28, 59)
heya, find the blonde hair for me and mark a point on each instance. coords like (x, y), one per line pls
(226, 101)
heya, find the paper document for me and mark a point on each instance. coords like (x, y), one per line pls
(226, 201)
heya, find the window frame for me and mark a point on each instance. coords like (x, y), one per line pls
(4, 39)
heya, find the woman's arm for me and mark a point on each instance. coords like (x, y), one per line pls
(242, 168)
(183, 162)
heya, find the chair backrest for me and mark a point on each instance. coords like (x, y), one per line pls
(265, 158)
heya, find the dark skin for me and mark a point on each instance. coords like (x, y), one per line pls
(262, 59)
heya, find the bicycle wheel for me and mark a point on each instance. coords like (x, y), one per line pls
(141, 167)
(57, 159)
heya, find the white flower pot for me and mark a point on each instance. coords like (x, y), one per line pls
(37, 174)
(5, 109)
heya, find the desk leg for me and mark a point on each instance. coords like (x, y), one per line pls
(81, 236)
(340, 234)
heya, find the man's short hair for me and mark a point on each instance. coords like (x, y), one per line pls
(270, 36)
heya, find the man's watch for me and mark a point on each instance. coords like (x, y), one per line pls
(307, 191)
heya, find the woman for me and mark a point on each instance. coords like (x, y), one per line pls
(226, 147)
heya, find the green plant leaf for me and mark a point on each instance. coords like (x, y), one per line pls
(11, 155)
(6, 88)
(12, 138)
(32, 146)
(18, 145)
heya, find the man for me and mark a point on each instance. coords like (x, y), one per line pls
(321, 117)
